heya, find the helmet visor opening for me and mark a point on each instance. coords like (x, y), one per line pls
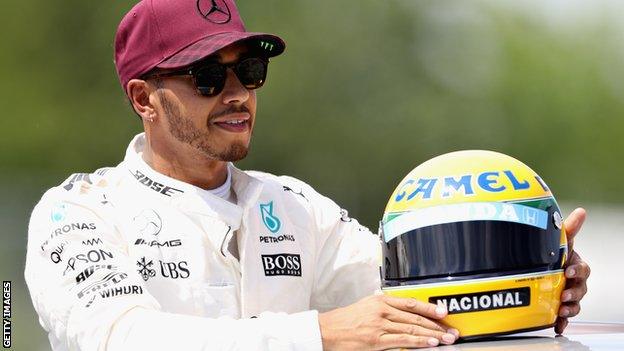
(471, 248)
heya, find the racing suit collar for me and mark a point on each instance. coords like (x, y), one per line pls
(188, 196)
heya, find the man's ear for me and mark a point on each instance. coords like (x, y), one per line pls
(139, 95)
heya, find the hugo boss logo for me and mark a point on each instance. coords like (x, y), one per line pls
(281, 264)
(483, 301)
(215, 11)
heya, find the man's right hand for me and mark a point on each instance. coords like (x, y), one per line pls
(381, 322)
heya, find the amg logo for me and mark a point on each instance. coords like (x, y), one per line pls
(170, 243)
(282, 264)
(122, 290)
(487, 300)
(92, 242)
(158, 187)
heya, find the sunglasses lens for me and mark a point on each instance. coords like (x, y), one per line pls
(252, 72)
(210, 79)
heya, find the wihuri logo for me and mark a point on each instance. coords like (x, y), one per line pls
(270, 220)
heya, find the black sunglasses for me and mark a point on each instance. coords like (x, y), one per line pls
(209, 77)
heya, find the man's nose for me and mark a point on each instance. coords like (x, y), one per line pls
(234, 91)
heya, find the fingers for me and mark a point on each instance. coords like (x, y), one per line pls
(416, 330)
(576, 286)
(408, 320)
(569, 309)
(560, 325)
(577, 268)
(574, 294)
(399, 316)
(573, 224)
(392, 341)
(415, 306)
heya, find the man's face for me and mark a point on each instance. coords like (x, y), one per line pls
(217, 127)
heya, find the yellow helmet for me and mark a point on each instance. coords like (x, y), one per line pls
(481, 233)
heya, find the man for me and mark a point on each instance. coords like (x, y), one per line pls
(175, 248)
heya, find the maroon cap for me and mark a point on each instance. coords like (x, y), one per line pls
(176, 33)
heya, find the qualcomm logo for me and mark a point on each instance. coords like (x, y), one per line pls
(270, 220)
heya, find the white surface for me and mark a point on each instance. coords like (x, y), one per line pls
(577, 337)
(601, 244)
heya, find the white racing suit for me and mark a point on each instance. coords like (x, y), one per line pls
(126, 258)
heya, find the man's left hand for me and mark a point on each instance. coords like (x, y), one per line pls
(576, 273)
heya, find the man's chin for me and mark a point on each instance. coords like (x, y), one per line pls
(235, 152)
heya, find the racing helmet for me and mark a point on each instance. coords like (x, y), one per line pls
(481, 233)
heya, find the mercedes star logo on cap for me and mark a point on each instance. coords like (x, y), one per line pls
(215, 11)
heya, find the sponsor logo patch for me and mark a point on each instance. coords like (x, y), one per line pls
(121, 290)
(58, 213)
(276, 239)
(67, 228)
(281, 264)
(215, 11)
(151, 243)
(484, 301)
(92, 256)
(148, 222)
(144, 268)
(90, 270)
(170, 270)
(107, 281)
(157, 187)
(92, 242)
(271, 222)
(300, 192)
(174, 270)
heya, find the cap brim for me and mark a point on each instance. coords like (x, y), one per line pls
(269, 44)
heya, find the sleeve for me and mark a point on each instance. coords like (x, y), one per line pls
(89, 296)
(348, 256)
(78, 273)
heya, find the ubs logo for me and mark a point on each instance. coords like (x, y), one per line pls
(215, 11)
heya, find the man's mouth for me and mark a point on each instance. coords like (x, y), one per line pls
(235, 123)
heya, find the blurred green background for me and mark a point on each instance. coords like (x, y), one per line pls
(366, 90)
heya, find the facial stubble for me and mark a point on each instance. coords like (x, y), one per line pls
(185, 131)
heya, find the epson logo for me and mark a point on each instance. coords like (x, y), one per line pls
(170, 243)
(93, 256)
(281, 264)
(483, 301)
